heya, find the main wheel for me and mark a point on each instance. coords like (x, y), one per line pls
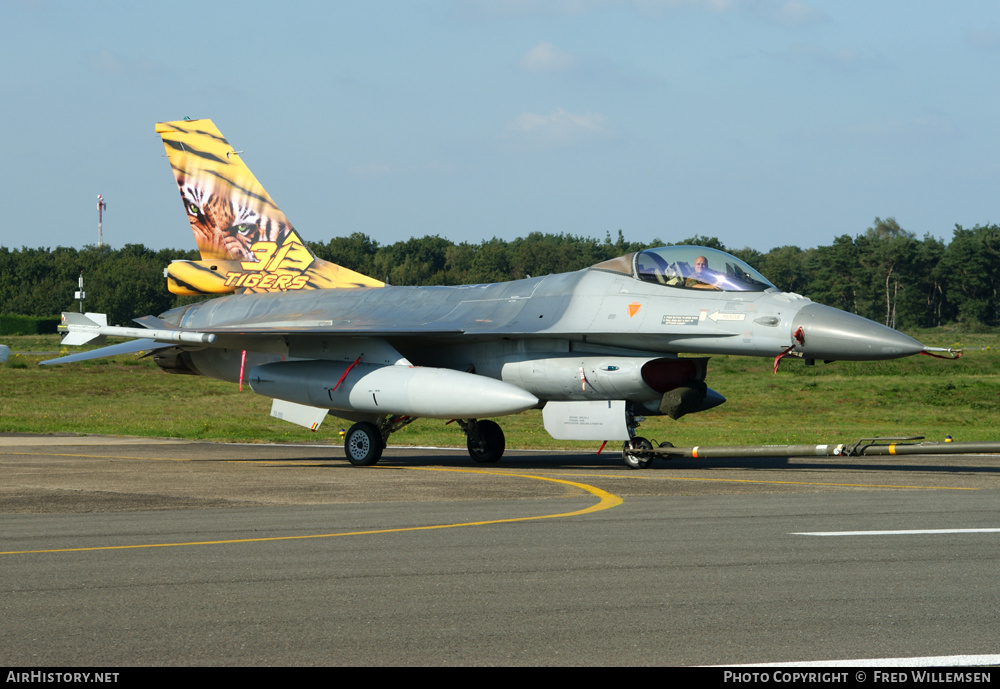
(486, 442)
(363, 444)
(632, 453)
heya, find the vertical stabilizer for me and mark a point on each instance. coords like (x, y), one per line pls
(246, 242)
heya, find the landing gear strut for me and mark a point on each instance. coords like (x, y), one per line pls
(635, 451)
(485, 440)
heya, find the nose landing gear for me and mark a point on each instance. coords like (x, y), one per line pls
(635, 453)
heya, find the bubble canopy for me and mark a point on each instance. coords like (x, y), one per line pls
(689, 267)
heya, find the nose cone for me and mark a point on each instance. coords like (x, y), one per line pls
(835, 335)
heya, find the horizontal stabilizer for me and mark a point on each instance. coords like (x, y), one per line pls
(200, 277)
(133, 347)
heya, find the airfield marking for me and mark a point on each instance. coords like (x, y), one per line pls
(319, 462)
(66, 454)
(919, 661)
(606, 502)
(815, 483)
(790, 483)
(906, 532)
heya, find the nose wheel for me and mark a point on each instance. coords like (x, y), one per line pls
(635, 453)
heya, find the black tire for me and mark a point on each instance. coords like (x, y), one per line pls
(633, 455)
(666, 444)
(363, 444)
(486, 442)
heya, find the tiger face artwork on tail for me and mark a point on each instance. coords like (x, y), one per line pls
(222, 227)
(246, 242)
(227, 207)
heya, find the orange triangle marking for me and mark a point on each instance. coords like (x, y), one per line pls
(633, 309)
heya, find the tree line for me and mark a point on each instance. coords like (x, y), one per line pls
(886, 274)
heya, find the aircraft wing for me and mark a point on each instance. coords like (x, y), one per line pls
(158, 334)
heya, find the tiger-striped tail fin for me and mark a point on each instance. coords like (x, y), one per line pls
(246, 242)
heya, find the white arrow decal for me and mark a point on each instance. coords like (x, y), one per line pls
(718, 316)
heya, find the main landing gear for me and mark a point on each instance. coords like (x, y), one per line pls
(485, 440)
(365, 441)
(363, 444)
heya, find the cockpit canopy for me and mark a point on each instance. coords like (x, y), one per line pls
(689, 267)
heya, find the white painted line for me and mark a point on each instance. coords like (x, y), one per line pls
(892, 533)
(930, 661)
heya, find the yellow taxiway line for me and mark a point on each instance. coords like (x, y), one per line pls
(606, 501)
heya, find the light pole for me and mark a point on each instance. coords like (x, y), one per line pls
(80, 294)
(101, 205)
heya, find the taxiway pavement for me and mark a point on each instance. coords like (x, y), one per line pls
(118, 552)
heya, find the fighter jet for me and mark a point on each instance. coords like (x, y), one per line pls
(597, 349)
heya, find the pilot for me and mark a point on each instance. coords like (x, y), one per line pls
(703, 277)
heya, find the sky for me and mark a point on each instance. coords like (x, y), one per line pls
(763, 123)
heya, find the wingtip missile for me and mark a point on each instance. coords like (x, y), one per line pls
(82, 328)
(93, 328)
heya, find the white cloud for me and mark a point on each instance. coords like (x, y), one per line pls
(559, 128)
(110, 64)
(915, 130)
(986, 38)
(921, 127)
(509, 8)
(545, 57)
(845, 59)
(371, 170)
(796, 14)
(106, 61)
(788, 13)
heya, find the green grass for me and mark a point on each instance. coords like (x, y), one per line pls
(838, 402)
